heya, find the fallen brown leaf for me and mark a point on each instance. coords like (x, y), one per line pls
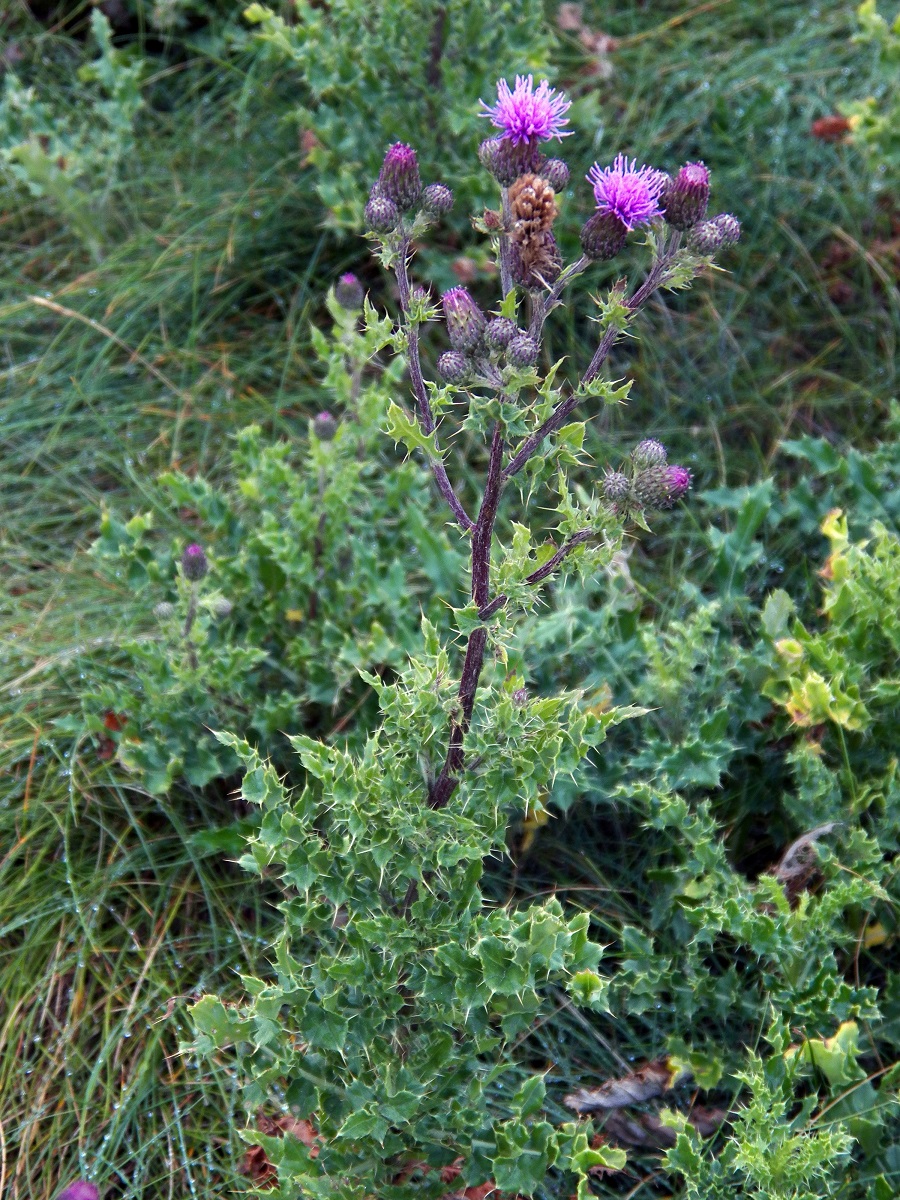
(646, 1083)
(830, 129)
(798, 863)
(256, 1164)
(647, 1132)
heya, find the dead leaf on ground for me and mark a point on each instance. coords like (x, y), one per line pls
(256, 1164)
(830, 129)
(646, 1083)
(799, 862)
(647, 1132)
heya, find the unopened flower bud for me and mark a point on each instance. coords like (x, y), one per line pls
(382, 214)
(437, 199)
(80, 1190)
(194, 562)
(616, 487)
(556, 173)
(729, 227)
(685, 197)
(465, 320)
(603, 236)
(520, 697)
(649, 453)
(522, 351)
(500, 332)
(454, 367)
(507, 160)
(164, 610)
(399, 179)
(710, 236)
(348, 292)
(222, 609)
(660, 487)
(324, 426)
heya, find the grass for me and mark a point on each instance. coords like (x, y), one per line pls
(192, 325)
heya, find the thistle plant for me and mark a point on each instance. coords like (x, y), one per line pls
(398, 992)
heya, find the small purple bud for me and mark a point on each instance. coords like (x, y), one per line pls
(399, 177)
(465, 320)
(603, 236)
(710, 236)
(437, 199)
(616, 487)
(729, 227)
(324, 426)
(454, 367)
(507, 160)
(382, 215)
(500, 332)
(81, 1190)
(522, 351)
(649, 453)
(348, 292)
(660, 487)
(520, 697)
(684, 198)
(194, 562)
(556, 173)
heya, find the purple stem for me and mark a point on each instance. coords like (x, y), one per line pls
(447, 781)
(426, 417)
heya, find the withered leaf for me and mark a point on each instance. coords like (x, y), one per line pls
(647, 1082)
(647, 1132)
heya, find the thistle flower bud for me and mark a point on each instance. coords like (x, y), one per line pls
(381, 215)
(348, 292)
(660, 487)
(437, 199)
(507, 160)
(222, 609)
(603, 236)
(194, 562)
(649, 453)
(500, 332)
(520, 697)
(522, 351)
(616, 487)
(399, 179)
(454, 367)
(710, 236)
(556, 173)
(684, 198)
(164, 610)
(80, 1190)
(324, 426)
(465, 320)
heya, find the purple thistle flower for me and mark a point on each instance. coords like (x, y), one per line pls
(349, 292)
(399, 177)
(629, 193)
(80, 1190)
(525, 114)
(465, 320)
(194, 562)
(685, 198)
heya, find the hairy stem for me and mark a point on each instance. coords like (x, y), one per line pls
(446, 783)
(188, 625)
(546, 304)
(426, 417)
